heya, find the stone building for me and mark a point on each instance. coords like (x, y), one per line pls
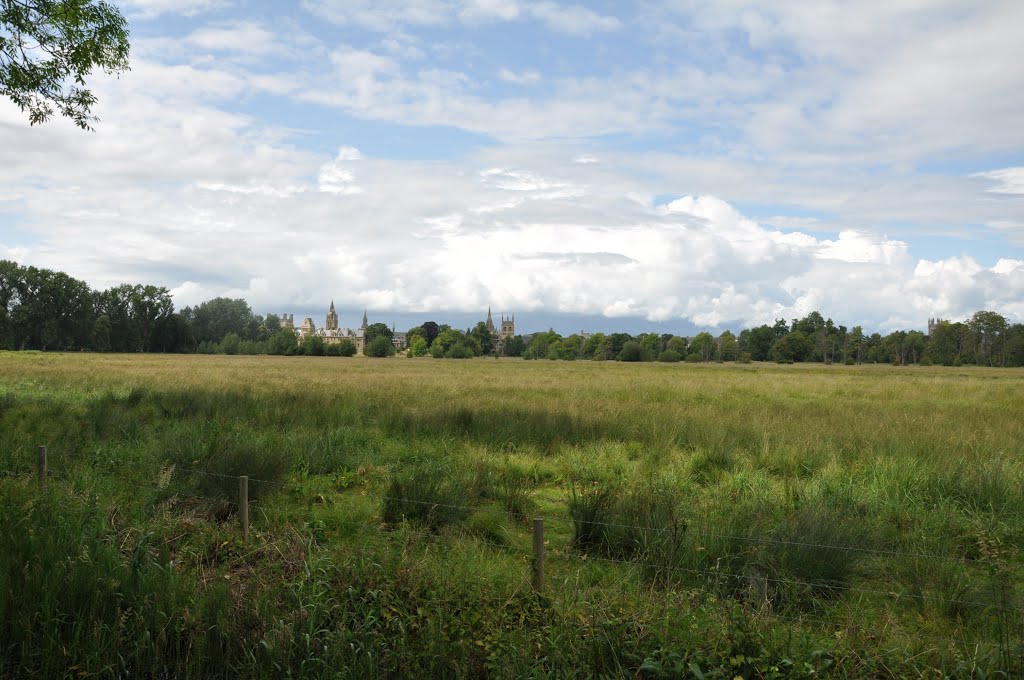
(507, 330)
(333, 334)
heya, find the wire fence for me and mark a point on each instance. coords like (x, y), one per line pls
(570, 553)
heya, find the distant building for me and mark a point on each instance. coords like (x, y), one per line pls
(933, 324)
(333, 334)
(507, 330)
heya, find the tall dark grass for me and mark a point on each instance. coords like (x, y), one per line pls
(427, 495)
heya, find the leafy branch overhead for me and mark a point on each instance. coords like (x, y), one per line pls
(48, 47)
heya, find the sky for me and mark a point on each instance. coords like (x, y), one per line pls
(671, 166)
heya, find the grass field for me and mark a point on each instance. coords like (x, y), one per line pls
(701, 520)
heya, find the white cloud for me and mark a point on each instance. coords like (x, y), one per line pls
(149, 9)
(1009, 180)
(572, 19)
(520, 78)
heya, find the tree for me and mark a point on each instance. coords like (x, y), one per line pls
(988, 329)
(418, 347)
(757, 341)
(48, 47)
(484, 337)
(346, 348)
(729, 348)
(101, 334)
(377, 330)
(792, 347)
(631, 351)
(313, 346)
(430, 331)
(380, 346)
(704, 345)
(283, 342)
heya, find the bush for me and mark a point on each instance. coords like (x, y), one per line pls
(346, 348)
(744, 358)
(380, 347)
(669, 356)
(631, 351)
(694, 358)
(459, 351)
(332, 350)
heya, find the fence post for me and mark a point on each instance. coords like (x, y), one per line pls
(243, 504)
(42, 468)
(538, 555)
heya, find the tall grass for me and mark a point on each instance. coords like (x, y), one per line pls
(813, 520)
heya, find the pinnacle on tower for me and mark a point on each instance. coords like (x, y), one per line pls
(365, 322)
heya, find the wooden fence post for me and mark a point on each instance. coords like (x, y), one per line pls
(538, 555)
(42, 468)
(243, 504)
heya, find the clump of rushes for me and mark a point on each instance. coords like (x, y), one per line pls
(427, 495)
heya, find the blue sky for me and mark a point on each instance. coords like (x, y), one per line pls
(676, 165)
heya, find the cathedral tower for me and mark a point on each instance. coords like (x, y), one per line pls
(332, 318)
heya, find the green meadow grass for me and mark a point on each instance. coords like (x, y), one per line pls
(701, 520)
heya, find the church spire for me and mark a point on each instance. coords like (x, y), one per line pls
(332, 318)
(490, 322)
(365, 322)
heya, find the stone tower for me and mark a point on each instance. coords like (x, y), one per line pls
(490, 322)
(332, 318)
(365, 322)
(508, 326)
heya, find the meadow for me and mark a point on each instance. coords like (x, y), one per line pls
(701, 520)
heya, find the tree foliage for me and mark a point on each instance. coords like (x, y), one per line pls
(48, 47)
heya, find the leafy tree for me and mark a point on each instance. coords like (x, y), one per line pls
(346, 348)
(651, 346)
(284, 342)
(794, 346)
(483, 337)
(231, 344)
(430, 331)
(677, 344)
(989, 330)
(856, 344)
(459, 351)
(704, 345)
(418, 346)
(538, 347)
(729, 348)
(591, 345)
(48, 47)
(631, 351)
(313, 345)
(101, 334)
(670, 356)
(380, 346)
(757, 341)
(215, 318)
(377, 330)
(413, 333)
(514, 346)
(173, 334)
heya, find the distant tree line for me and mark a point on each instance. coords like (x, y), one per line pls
(46, 310)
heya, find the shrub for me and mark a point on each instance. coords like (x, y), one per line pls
(744, 358)
(459, 351)
(694, 358)
(669, 356)
(332, 350)
(380, 347)
(346, 348)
